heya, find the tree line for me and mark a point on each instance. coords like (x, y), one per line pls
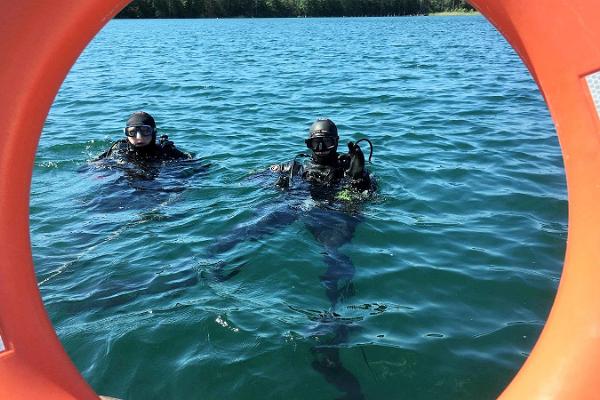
(285, 8)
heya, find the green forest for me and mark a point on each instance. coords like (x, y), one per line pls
(286, 8)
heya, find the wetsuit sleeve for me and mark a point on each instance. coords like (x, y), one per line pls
(102, 156)
(174, 153)
(108, 152)
(170, 152)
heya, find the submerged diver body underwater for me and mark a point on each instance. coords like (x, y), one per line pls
(325, 193)
(133, 184)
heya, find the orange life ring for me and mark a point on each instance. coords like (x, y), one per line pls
(558, 40)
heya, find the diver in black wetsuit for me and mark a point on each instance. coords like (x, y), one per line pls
(336, 183)
(327, 167)
(153, 169)
(140, 143)
(135, 175)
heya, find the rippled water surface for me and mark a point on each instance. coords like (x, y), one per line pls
(445, 277)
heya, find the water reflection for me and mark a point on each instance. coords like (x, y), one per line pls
(124, 196)
(137, 185)
(332, 223)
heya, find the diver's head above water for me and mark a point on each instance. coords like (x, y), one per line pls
(323, 141)
(140, 130)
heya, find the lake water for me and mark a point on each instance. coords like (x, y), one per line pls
(445, 277)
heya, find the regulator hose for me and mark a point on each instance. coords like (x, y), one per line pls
(370, 144)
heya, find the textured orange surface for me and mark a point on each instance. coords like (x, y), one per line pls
(558, 40)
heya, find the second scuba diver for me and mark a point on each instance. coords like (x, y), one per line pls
(140, 143)
(153, 167)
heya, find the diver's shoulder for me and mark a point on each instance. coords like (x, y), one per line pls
(115, 148)
(170, 151)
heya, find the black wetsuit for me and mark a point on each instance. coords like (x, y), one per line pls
(165, 150)
(330, 173)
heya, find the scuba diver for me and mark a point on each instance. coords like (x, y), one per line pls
(336, 184)
(135, 182)
(325, 193)
(140, 142)
(153, 169)
(327, 167)
(142, 163)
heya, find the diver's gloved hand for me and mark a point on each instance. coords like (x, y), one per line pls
(285, 173)
(356, 167)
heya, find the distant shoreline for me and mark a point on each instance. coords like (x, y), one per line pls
(437, 14)
(458, 13)
(150, 9)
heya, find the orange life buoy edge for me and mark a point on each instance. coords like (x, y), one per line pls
(558, 41)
